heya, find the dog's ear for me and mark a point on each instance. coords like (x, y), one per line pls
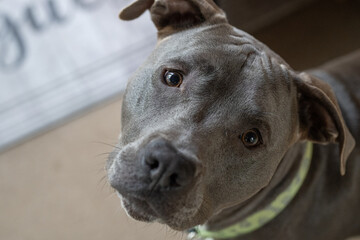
(170, 16)
(135, 9)
(320, 116)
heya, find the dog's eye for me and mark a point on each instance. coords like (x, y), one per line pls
(251, 138)
(173, 79)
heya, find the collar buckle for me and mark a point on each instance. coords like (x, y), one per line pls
(192, 235)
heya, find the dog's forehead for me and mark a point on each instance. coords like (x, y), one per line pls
(214, 46)
(210, 40)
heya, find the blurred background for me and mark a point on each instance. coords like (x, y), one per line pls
(63, 68)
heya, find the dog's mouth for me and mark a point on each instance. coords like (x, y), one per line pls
(178, 213)
(139, 209)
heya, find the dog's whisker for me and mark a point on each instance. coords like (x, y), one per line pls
(107, 144)
(102, 154)
(110, 194)
(103, 182)
(101, 170)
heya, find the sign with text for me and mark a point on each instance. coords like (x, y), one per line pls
(58, 57)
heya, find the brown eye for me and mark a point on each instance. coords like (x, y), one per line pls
(251, 138)
(173, 79)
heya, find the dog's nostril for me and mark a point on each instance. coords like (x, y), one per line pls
(154, 164)
(174, 180)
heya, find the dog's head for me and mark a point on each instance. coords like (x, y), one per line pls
(209, 116)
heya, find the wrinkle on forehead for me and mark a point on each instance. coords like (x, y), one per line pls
(212, 37)
(206, 56)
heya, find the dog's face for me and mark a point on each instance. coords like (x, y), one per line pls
(223, 116)
(205, 123)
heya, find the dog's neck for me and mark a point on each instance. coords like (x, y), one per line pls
(285, 173)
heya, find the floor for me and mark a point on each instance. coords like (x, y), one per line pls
(53, 187)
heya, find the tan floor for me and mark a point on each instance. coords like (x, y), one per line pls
(51, 187)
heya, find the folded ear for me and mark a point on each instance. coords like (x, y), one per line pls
(135, 9)
(170, 16)
(320, 116)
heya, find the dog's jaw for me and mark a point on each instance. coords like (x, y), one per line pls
(137, 209)
(188, 212)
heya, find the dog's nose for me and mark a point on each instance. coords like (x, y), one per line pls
(168, 168)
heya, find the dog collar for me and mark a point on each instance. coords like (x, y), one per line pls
(260, 218)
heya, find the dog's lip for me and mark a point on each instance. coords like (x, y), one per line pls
(138, 208)
(145, 209)
(140, 202)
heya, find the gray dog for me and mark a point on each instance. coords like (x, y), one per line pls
(221, 136)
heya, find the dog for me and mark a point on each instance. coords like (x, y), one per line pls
(221, 136)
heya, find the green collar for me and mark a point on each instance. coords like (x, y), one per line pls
(260, 218)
